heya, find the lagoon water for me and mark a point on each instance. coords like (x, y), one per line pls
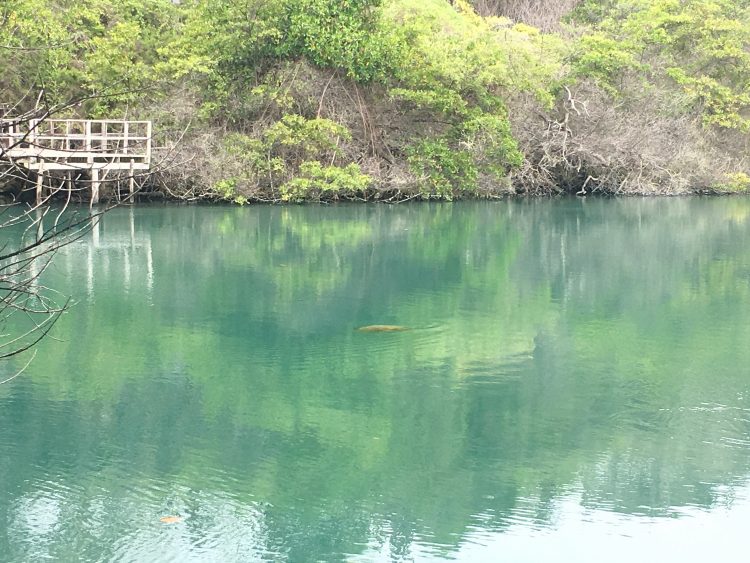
(574, 386)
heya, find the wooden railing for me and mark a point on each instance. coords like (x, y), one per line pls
(76, 144)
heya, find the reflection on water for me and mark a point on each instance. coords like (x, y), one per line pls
(574, 386)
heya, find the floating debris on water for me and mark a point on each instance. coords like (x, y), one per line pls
(170, 519)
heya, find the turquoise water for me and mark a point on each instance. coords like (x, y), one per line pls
(574, 386)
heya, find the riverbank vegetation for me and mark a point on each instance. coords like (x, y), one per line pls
(297, 100)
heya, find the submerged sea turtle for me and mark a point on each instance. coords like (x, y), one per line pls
(382, 328)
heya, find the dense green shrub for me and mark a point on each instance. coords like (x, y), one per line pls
(285, 158)
(736, 182)
(442, 171)
(316, 181)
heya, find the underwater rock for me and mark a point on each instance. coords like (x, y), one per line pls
(382, 328)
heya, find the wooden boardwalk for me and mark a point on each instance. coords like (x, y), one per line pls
(98, 146)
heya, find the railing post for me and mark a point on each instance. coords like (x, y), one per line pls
(31, 139)
(148, 143)
(87, 139)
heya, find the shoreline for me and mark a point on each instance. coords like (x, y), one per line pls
(158, 197)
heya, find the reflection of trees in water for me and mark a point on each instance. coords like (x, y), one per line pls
(525, 376)
(630, 253)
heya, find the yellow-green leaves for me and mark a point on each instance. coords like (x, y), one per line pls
(603, 59)
(287, 159)
(701, 45)
(86, 48)
(317, 181)
(442, 171)
(735, 182)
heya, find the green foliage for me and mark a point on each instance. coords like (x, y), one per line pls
(450, 47)
(702, 46)
(237, 39)
(490, 141)
(286, 155)
(339, 34)
(720, 104)
(736, 182)
(442, 171)
(227, 190)
(603, 59)
(304, 136)
(449, 166)
(461, 67)
(102, 50)
(254, 165)
(129, 74)
(316, 181)
(234, 49)
(439, 99)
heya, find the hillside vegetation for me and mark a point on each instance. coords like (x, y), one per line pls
(296, 100)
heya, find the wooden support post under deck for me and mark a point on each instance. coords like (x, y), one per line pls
(131, 179)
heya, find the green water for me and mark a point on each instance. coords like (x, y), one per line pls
(575, 386)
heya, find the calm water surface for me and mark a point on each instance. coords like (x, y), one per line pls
(575, 386)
